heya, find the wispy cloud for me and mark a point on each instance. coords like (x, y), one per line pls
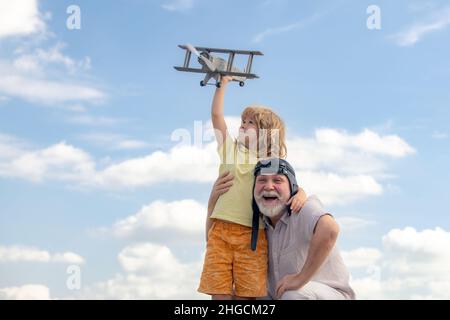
(35, 62)
(89, 120)
(416, 32)
(287, 28)
(47, 76)
(47, 91)
(11, 147)
(18, 253)
(178, 5)
(351, 224)
(439, 135)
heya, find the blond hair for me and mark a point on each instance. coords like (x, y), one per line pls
(272, 140)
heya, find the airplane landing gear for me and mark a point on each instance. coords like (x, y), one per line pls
(241, 83)
(202, 83)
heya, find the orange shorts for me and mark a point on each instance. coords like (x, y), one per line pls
(231, 267)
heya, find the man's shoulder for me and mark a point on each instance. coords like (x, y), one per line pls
(313, 203)
(312, 208)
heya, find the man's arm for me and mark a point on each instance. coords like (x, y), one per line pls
(322, 242)
(222, 185)
(217, 115)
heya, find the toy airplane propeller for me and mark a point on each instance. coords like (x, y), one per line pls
(216, 67)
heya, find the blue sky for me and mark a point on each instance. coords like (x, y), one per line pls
(90, 176)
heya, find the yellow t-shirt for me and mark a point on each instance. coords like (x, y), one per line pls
(236, 204)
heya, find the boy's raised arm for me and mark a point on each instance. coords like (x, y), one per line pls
(217, 115)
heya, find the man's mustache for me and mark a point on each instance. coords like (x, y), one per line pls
(269, 194)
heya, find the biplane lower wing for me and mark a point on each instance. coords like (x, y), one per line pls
(191, 70)
(239, 74)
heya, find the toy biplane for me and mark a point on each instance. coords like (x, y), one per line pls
(216, 67)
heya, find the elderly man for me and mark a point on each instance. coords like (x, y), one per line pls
(304, 262)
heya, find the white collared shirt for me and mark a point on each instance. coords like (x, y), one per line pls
(288, 249)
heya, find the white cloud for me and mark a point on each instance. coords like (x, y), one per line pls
(341, 167)
(150, 271)
(361, 153)
(416, 32)
(68, 257)
(130, 144)
(427, 249)
(181, 164)
(337, 189)
(26, 292)
(60, 162)
(114, 141)
(361, 257)
(18, 253)
(411, 265)
(366, 141)
(338, 166)
(19, 18)
(67, 163)
(163, 222)
(178, 5)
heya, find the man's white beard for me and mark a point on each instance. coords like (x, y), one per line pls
(270, 211)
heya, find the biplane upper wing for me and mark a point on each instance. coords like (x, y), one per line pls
(248, 52)
(224, 73)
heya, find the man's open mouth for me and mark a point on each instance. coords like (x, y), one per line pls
(270, 199)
